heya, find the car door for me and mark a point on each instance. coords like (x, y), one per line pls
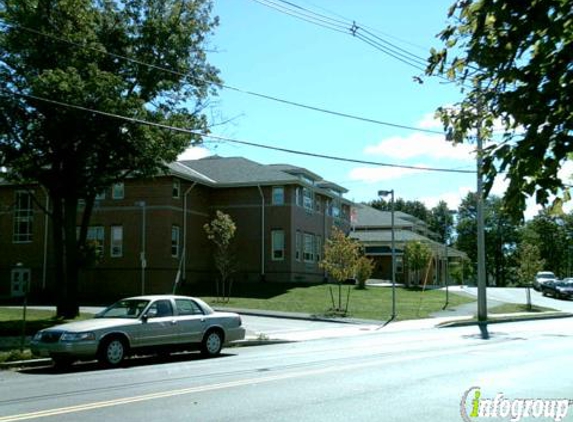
(191, 321)
(159, 326)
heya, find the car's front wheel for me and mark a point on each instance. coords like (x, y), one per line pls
(212, 343)
(112, 351)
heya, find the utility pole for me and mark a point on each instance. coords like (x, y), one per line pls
(481, 272)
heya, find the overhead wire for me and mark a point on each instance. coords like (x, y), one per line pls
(232, 140)
(226, 86)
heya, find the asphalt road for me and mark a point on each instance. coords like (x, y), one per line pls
(377, 376)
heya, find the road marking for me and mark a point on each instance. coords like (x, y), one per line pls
(231, 384)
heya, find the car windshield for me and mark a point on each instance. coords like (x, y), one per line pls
(131, 308)
(545, 275)
(563, 283)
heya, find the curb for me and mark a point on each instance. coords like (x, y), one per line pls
(296, 316)
(454, 324)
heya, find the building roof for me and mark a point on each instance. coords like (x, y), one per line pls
(233, 171)
(369, 217)
(384, 238)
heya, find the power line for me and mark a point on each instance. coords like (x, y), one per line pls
(235, 141)
(225, 86)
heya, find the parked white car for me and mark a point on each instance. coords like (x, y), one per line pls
(541, 278)
(143, 324)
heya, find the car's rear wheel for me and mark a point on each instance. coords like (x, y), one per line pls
(112, 351)
(212, 343)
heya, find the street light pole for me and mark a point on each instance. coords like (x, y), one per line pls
(393, 246)
(482, 300)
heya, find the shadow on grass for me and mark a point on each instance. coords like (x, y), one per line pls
(249, 290)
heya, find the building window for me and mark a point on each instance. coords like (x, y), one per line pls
(318, 204)
(298, 253)
(278, 195)
(23, 217)
(175, 241)
(118, 191)
(278, 245)
(308, 199)
(100, 196)
(116, 241)
(318, 248)
(96, 236)
(308, 247)
(298, 197)
(176, 188)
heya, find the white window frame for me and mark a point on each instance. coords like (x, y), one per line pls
(318, 248)
(298, 245)
(116, 241)
(308, 199)
(175, 240)
(298, 196)
(118, 191)
(278, 195)
(23, 217)
(277, 245)
(308, 247)
(176, 189)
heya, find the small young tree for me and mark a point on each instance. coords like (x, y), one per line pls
(340, 256)
(363, 270)
(221, 231)
(416, 256)
(530, 263)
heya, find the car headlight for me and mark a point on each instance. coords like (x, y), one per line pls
(77, 336)
(38, 336)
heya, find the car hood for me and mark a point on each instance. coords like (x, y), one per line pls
(94, 324)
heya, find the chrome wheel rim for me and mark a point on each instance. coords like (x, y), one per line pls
(213, 343)
(114, 352)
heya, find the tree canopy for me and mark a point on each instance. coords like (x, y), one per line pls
(68, 68)
(512, 60)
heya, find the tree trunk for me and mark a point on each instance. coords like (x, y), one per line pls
(66, 250)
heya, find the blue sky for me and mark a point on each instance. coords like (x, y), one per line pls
(262, 50)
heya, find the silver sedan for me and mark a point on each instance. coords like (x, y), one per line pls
(144, 324)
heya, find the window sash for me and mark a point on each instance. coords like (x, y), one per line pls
(278, 245)
(176, 189)
(308, 247)
(116, 242)
(118, 191)
(175, 231)
(23, 217)
(278, 195)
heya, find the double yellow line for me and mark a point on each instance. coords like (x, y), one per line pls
(221, 386)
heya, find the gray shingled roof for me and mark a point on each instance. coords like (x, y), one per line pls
(366, 216)
(384, 237)
(233, 171)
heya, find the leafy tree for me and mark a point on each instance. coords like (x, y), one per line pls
(512, 60)
(500, 235)
(363, 269)
(59, 60)
(530, 263)
(417, 256)
(441, 221)
(415, 208)
(341, 254)
(221, 231)
(551, 233)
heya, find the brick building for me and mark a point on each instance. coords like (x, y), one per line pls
(149, 230)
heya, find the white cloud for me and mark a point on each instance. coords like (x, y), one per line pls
(377, 174)
(429, 121)
(453, 199)
(420, 144)
(194, 153)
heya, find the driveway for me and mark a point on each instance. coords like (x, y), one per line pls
(518, 295)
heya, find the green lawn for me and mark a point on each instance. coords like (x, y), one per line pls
(372, 303)
(11, 321)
